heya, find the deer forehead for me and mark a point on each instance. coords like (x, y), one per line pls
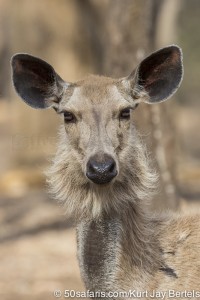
(102, 95)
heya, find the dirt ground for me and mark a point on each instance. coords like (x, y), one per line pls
(38, 249)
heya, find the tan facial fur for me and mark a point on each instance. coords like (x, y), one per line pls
(97, 102)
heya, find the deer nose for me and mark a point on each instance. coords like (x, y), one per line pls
(101, 171)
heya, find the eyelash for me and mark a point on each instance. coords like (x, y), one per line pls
(125, 114)
(69, 117)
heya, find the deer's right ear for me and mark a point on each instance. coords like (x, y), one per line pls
(36, 81)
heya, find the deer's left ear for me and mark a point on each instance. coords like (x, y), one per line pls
(158, 76)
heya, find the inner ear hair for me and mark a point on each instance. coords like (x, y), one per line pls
(158, 76)
(36, 81)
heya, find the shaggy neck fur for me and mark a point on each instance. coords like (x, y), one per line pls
(84, 200)
(118, 251)
(105, 214)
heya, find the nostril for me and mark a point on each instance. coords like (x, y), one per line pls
(112, 166)
(102, 167)
(101, 171)
(92, 167)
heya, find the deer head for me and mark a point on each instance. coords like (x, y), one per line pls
(99, 145)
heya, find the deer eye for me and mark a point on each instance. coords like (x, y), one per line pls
(69, 117)
(125, 114)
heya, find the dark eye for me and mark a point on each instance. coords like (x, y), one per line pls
(125, 114)
(69, 117)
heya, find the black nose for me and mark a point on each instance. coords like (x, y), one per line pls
(102, 170)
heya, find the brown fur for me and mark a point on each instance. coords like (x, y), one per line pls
(99, 132)
(121, 247)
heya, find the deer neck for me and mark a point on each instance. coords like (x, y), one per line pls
(115, 245)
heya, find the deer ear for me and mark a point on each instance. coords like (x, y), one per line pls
(158, 76)
(36, 81)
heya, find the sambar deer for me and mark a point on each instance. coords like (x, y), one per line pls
(101, 172)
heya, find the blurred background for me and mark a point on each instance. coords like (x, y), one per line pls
(109, 37)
